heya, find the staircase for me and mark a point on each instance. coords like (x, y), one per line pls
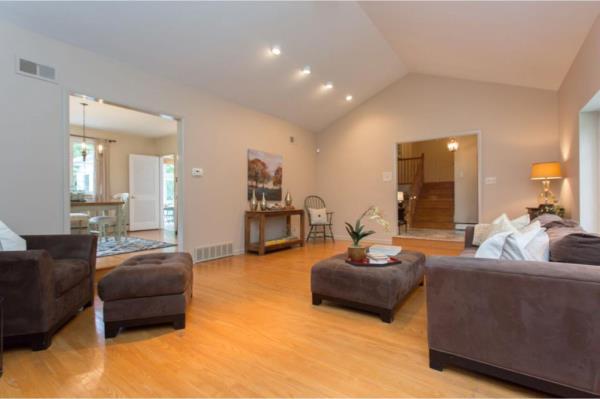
(435, 206)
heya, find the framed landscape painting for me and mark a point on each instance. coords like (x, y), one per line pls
(265, 175)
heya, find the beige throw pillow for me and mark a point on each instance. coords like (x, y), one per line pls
(318, 216)
(501, 224)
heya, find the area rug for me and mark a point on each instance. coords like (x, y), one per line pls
(128, 244)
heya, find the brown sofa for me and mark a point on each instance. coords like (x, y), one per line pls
(45, 286)
(533, 323)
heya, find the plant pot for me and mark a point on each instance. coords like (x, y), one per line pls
(357, 254)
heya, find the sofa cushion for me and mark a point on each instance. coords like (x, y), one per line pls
(583, 248)
(147, 276)
(67, 274)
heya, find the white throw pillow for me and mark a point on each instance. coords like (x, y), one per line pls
(10, 241)
(502, 223)
(521, 221)
(515, 246)
(493, 246)
(539, 247)
(318, 216)
(531, 243)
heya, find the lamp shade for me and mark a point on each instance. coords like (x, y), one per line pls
(545, 171)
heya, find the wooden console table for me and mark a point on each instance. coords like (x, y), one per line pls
(262, 245)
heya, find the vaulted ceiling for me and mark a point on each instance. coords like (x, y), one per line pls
(223, 47)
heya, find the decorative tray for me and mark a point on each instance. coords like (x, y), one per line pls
(365, 262)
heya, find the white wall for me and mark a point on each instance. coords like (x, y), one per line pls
(579, 86)
(518, 125)
(217, 134)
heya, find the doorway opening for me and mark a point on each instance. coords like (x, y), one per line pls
(168, 190)
(122, 176)
(438, 185)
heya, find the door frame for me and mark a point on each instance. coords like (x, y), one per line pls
(161, 190)
(476, 132)
(66, 93)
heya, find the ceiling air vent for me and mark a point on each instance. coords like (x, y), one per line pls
(35, 70)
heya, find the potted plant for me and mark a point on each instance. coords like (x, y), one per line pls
(356, 252)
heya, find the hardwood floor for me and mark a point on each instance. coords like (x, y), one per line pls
(251, 331)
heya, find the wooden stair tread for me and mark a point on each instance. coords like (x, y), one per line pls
(435, 206)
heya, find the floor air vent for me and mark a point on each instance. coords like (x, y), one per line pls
(213, 252)
(35, 70)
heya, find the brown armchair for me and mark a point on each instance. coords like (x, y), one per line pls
(45, 286)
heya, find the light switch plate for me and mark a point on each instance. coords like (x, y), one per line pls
(197, 172)
(490, 180)
(386, 176)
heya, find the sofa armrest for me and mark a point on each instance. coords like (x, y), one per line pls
(537, 318)
(27, 285)
(66, 246)
(469, 234)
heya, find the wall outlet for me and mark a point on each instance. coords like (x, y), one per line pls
(490, 180)
(197, 172)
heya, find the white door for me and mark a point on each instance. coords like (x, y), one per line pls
(144, 187)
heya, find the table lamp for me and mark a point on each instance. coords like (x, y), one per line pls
(546, 171)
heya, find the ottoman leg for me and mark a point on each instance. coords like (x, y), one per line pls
(386, 315)
(111, 329)
(316, 299)
(179, 322)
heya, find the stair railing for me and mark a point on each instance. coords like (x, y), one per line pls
(412, 171)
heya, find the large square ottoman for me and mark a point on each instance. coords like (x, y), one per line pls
(147, 289)
(376, 289)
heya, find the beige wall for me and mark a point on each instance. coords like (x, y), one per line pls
(578, 87)
(438, 162)
(518, 125)
(466, 181)
(217, 134)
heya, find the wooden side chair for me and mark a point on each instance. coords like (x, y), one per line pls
(117, 224)
(320, 225)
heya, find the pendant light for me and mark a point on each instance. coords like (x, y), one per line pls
(452, 145)
(83, 146)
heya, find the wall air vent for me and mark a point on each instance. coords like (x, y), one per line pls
(202, 254)
(35, 70)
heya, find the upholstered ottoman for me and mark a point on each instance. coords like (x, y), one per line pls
(377, 289)
(147, 289)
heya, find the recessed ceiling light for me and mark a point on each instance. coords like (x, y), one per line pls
(275, 50)
(328, 85)
(349, 97)
(306, 70)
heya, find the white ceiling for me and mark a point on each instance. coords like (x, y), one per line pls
(118, 119)
(222, 47)
(519, 43)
